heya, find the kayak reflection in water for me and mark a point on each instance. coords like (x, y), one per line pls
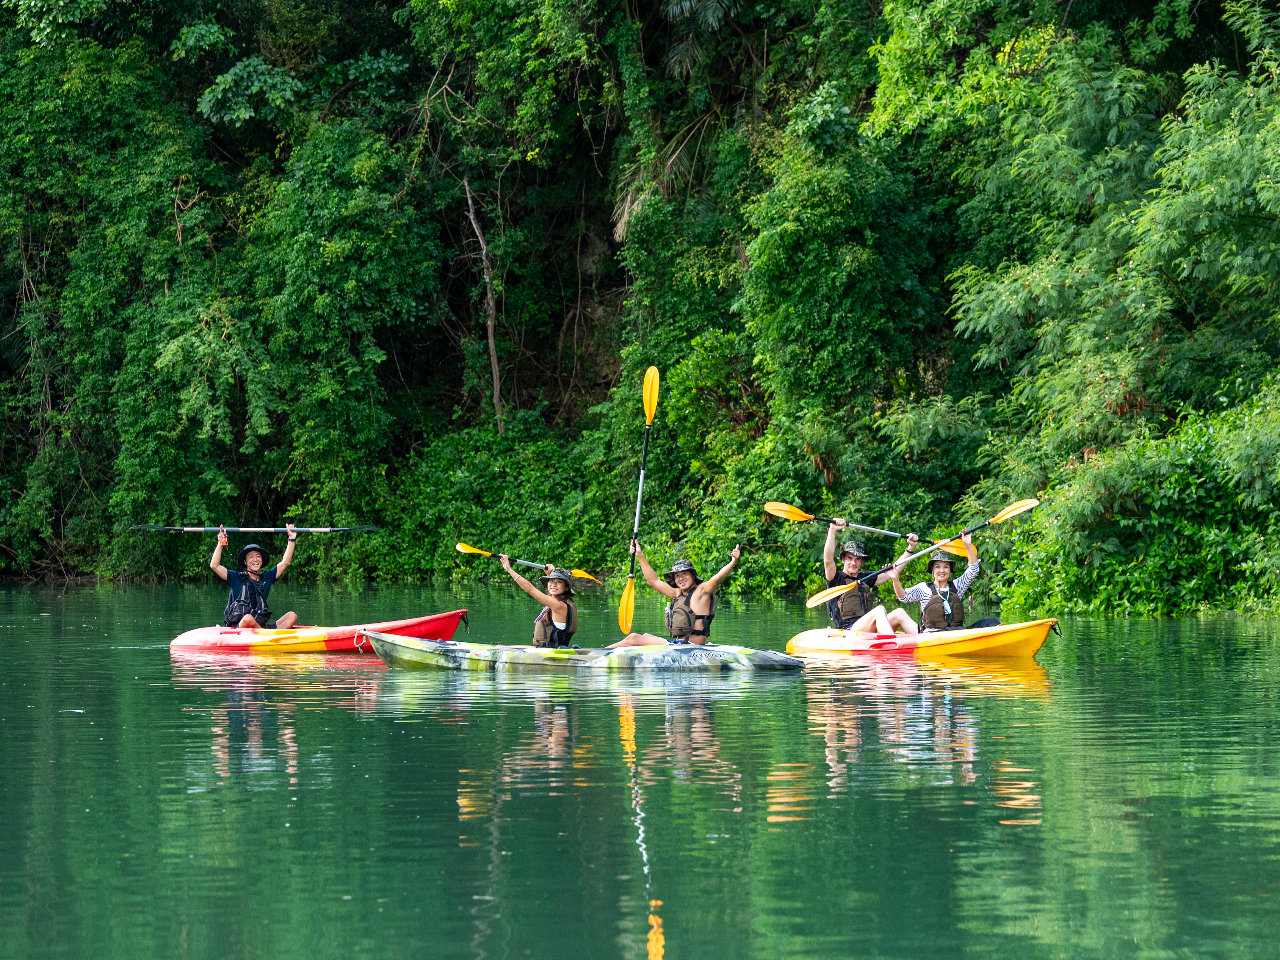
(693, 601)
(247, 605)
(558, 621)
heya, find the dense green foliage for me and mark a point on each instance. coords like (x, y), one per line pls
(904, 263)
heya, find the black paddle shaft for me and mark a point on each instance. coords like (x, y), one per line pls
(159, 529)
(635, 532)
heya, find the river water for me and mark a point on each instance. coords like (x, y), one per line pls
(1118, 797)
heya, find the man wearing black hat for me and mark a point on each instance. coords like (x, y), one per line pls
(250, 585)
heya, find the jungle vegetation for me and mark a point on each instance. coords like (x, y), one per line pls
(404, 263)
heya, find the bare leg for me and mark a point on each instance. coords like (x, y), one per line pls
(902, 622)
(287, 621)
(637, 640)
(873, 621)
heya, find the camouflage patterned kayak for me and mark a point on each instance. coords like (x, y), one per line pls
(415, 654)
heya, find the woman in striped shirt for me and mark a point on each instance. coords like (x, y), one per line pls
(941, 601)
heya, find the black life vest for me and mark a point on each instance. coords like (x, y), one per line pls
(935, 614)
(249, 600)
(547, 634)
(850, 606)
(683, 623)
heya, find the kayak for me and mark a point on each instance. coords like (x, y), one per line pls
(439, 626)
(1005, 640)
(423, 654)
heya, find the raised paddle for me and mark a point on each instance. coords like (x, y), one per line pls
(158, 528)
(1012, 510)
(627, 608)
(467, 548)
(787, 512)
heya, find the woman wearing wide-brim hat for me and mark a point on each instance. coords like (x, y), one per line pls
(558, 621)
(941, 601)
(693, 600)
(857, 609)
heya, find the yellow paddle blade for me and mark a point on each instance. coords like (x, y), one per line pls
(1013, 509)
(583, 575)
(650, 394)
(822, 596)
(627, 608)
(786, 511)
(954, 547)
(464, 548)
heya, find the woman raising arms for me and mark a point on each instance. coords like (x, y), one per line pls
(558, 621)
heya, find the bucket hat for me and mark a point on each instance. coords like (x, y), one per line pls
(249, 548)
(855, 547)
(678, 567)
(559, 573)
(941, 555)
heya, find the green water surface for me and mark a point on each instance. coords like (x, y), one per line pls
(1115, 798)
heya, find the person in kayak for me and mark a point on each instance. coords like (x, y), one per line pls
(693, 601)
(558, 621)
(941, 601)
(247, 605)
(856, 609)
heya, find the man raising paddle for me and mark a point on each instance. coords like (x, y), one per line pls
(247, 605)
(856, 609)
(693, 601)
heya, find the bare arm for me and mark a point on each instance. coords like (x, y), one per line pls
(829, 548)
(559, 609)
(968, 545)
(709, 585)
(287, 559)
(892, 573)
(650, 577)
(215, 562)
(896, 572)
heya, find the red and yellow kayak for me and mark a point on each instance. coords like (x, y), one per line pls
(439, 626)
(1005, 640)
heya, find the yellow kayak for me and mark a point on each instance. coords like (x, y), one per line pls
(1006, 640)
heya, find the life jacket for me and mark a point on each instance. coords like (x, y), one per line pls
(547, 634)
(249, 600)
(851, 605)
(683, 623)
(935, 613)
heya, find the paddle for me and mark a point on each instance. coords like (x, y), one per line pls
(627, 608)
(787, 512)
(822, 596)
(467, 548)
(156, 527)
